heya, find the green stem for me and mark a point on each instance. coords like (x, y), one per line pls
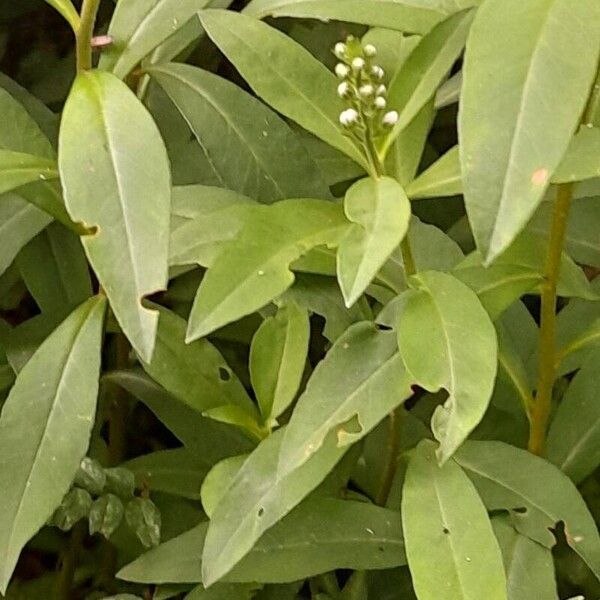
(83, 37)
(542, 405)
(391, 453)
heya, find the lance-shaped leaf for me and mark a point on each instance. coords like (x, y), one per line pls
(528, 565)
(426, 67)
(19, 168)
(582, 159)
(259, 496)
(115, 174)
(196, 373)
(447, 341)
(254, 267)
(319, 535)
(552, 47)
(574, 436)
(45, 428)
(380, 212)
(277, 358)
(252, 150)
(283, 74)
(447, 525)
(535, 492)
(360, 381)
(442, 178)
(139, 27)
(376, 13)
(19, 223)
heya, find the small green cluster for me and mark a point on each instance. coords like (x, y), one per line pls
(105, 497)
(363, 90)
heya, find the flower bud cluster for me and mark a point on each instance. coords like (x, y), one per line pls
(362, 89)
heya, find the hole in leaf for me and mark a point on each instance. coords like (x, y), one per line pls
(224, 374)
(261, 511)
(522, 510)
(446, 531)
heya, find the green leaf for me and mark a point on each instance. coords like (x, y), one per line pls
(259, 496)
(380, 213)
(55, 270)
(552, 47)
(217, 482)
(251, 149)
(177, 471)
(19, 223)
(127, 201)
(404, 16)
(139, 27)
(209, 440)
(319, 535)
(254, 268)
(106, 515)
(223, 591)
(446, 527)
(67, 10)
(426, 67)
(574, 436)
(195, 373)
(509, 478)
(360, 381)
(144, 519)
(74, 506)
(19, 168)
(277, 358)
(283, 74)
(448, 341)
(528, 565)
(581, 159)
(442, 178)
(45, 427)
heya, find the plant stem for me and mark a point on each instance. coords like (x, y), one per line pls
(84, 34)
(391, 451)
(64, 579)
(542, 404)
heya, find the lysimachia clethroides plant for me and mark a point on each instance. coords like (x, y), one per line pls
(299, 301)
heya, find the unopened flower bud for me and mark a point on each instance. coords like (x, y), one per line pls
(366, 90)
(381, 90)
(380, 103)
(377, 71)
(340, 49)
(358, 63)
(348, 117)
(343, 89)
(390, 118)
(342, 70)
(370, 50)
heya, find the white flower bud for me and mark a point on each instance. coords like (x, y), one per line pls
(343, 89)
(348, 117)
(390, 118)
(366, 90)
(340, 49)
(342, 70)
(380, 103)
(358, 63)
(381, 90)
(370, 50)
(377, 71)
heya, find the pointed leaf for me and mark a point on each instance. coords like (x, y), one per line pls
(361, 380)
(510, 478)
(257, 498)
(380, 212)
(448, 341)
(383, 13)
(127, 200)
(442, 178)
(446, 526)
(254, 267)
(252, 150)
(277, 358)
(139, 27)
(45, 428)
(582, 159)
(18, 168)
(283, 74)
(552, 47)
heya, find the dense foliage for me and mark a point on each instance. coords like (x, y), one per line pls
(298, 299)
